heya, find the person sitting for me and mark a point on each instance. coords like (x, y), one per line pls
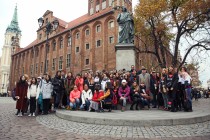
(74, 98)
(106, 100)
(94, 103)
(145, 98)
(124, 94)
(135, 95)
(86, 97)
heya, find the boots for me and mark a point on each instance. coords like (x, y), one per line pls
(137, 106)
(131, 108)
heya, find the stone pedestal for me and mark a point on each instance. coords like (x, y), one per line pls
(125, 56)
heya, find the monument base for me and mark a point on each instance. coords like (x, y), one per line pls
(125, 56)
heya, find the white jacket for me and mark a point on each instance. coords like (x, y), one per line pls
(86, 95)
(33, 91)
(46, 89)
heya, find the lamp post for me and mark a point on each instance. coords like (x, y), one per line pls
(50, 27)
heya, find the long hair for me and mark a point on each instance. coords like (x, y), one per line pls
(21, 81)
(31, 81)
(49, 78)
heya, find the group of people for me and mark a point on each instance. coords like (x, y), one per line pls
(168, 90)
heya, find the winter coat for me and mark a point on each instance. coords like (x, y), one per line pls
(86, 95)
(58, 84)
(46, 89)
(103, 83)
(97, 95)
(124, 92)
(21, 91)
(33, 91)
(79, 82)
(69, 85)
(74, 95)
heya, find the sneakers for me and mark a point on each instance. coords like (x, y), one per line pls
(33, 115)
(29, 115)
(20, 115)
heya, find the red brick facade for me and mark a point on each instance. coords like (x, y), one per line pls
(98, 28)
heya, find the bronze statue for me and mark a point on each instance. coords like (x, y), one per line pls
(126, 27)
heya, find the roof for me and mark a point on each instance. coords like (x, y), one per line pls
(73, 24)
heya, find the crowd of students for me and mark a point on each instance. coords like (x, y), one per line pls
(168, 90)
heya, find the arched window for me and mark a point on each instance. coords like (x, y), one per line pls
(69, 41)
(61, 43)
(54, 45)
(111, 24)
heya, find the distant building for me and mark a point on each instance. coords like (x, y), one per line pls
(193, 72)
(208, 83)
(12, 31)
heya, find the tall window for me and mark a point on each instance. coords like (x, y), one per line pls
(61, 43)
(54, 45)
(87, 62)
(97, 2)
(111, 39)
(68, 60)
(40, 36)
(69, 41)
(60, 63)
(87, 32)
(53, 63)
(31, 70)
(48, 49)
(87, 46)
(77, 49)
(36, 69)
(98, 28)
(23, 72)
(98, 43)
(37, 52)
(111, 24)
(41, 67)
(77, 35)
(47, 62)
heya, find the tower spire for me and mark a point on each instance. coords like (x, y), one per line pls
(14, 27)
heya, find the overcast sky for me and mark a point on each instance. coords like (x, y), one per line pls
(30, 10)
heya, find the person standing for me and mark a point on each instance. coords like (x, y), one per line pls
(33, 94)
(21, 96)
(69, 85)
(46, 91)
(144, 77)
(79, 82)
(153, 87)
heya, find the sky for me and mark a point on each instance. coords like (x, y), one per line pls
(30, 10)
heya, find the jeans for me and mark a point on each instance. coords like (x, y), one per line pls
(75, 104)
(86, 105)
(46, 104)
(165, 99)
(188, 95)
(154, 101)
(123, 102)
(58, 98)
(67, 99)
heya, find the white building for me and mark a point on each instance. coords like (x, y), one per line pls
(13, 31)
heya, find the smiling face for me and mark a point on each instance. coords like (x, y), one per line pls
(23, 78)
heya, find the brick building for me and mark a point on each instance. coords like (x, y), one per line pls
(86, 43)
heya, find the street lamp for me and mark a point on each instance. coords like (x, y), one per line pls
(50, 27)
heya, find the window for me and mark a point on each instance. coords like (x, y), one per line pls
(53, 63)
(61, 43)
(46, 21)
(37, 52)
(31, 70)
(87, 46)
(98, 43)
(111, 39)
(87, 32)
(40, 36)
(41, 67)
(47, 62)
(60, 63)
(54, 45)
(103, 0)
(23, 72)
(77, 49)
(36, 69)
(87, 62)
(77, 35)
(111, 24)
(69, 41)
(98, 28)
(68, 60)
(97, 2)
(48, 49)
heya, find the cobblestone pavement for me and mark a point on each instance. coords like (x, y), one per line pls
(52, 128)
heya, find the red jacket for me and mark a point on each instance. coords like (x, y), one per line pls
(74, 95)
(21, 91)
(97, 95)
(79, 83)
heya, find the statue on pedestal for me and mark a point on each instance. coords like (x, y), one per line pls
(126, 27)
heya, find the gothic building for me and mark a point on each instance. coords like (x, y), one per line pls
(11, 33)
(86, 43)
